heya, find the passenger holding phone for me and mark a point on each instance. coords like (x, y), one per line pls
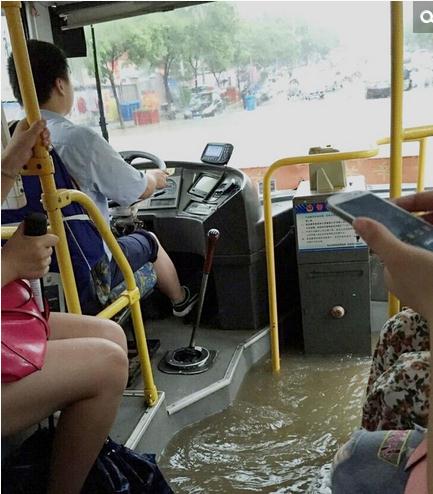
(399, 384)
(390, 461)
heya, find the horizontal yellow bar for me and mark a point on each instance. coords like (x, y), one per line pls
(411, 134)
(8, 231)
(321, 158)
(114, 308)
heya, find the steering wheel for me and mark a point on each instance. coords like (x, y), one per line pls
(130, 156)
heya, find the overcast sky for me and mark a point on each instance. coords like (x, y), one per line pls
(362, 26)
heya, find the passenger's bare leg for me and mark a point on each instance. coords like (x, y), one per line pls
(64, 326)
(168, 281)
(85, 378)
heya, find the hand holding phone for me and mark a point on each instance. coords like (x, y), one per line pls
(403, 225)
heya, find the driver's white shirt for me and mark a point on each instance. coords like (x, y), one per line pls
(99, 171)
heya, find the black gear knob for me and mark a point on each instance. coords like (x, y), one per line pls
(212, 237)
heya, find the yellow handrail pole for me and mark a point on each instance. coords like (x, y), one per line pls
(270, 261)
(269, 232)
(41, 164)
(131, 296)
(421, 164)
(396, 115)
(53, 200)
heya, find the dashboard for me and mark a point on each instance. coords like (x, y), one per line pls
(196, 191)
(201, 196)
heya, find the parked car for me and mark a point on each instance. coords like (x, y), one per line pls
(262, 94)
(168, 111)
(382, 88)
(204, 104)
(422, 77)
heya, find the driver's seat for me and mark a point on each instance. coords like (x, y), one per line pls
(89, 260)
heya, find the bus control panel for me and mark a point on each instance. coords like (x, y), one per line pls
(193, 190)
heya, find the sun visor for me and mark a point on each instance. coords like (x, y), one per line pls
(79, 14)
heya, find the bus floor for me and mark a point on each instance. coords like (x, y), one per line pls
(187, 399)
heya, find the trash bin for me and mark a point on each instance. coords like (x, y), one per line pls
(127, 109)
(141, 117)
(154, 116)
(250, 102)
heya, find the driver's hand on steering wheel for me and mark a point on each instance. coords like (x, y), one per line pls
(160, 177)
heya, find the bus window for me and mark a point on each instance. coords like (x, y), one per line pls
(272, 78)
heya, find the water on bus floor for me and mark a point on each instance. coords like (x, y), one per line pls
(279, 436)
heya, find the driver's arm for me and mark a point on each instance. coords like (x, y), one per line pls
(156, 179)
(97, 167)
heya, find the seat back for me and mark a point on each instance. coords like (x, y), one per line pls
(85, 243)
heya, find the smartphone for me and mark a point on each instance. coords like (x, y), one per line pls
(404, 225)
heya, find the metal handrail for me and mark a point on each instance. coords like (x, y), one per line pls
(419, 134)
(397, 135)
(269, 229)
(54, 200)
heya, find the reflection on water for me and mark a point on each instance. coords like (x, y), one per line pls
(279, 436)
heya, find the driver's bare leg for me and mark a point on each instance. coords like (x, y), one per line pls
(168, 281)
(182, 299)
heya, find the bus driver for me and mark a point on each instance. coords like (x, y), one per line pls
(99, 171)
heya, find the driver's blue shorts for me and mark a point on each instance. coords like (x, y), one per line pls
(139, 248)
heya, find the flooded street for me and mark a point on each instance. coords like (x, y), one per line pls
(279, 436)
(281, 128)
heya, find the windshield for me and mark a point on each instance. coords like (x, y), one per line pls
(272, 78)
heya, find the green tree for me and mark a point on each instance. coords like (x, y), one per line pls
(219, 24)
(243, 50)
(159, 44)
(194, 41)
(112, 42)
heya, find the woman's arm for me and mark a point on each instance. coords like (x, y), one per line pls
(26, 257)
(19, 150)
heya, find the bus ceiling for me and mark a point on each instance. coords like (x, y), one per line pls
(80, 14)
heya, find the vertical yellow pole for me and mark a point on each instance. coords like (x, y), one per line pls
(150, 391)
(53, 200)
(270, 259)
(31, 107)
(396, 97)
(421, 164)
(396, 114)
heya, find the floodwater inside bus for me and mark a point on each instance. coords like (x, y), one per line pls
(280, 434)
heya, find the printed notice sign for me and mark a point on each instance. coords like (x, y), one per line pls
(320, 229)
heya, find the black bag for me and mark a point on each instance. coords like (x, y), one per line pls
(117, 470)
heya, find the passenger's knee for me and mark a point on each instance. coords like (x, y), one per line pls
(116, 334)
(110, 366)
